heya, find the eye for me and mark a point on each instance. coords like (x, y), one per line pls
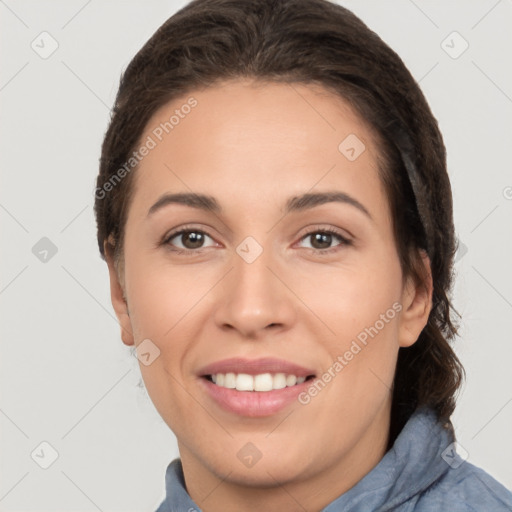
(321, 240)
(188, 239)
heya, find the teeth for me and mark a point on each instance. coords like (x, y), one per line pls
(244, 382)
(230, 381)
(261, 382)
(291, 380)
(279, 381)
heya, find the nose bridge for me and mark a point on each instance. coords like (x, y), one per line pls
(254, 298)
(253, 275)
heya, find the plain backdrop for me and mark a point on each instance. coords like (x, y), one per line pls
(66, 378)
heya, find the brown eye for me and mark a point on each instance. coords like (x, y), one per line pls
(188, 239)
(192, 239)
(323, 240)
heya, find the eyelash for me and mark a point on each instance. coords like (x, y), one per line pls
(190, 252)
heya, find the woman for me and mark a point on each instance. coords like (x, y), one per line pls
(276, 215)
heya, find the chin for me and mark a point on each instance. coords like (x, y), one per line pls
(269, 471)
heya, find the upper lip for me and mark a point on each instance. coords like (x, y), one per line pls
(255, 367)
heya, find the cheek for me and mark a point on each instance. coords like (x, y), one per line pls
(352, 298)
(162, 296)
(362, 308)
(162, 302)
(168, 306)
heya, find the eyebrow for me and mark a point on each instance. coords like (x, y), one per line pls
(294, 204)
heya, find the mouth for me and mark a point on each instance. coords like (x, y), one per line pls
(254, 388)
(262, 382)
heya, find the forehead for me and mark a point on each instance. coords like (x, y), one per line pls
(250, 140)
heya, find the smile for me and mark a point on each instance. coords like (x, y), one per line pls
(254, 387)
(261, 382)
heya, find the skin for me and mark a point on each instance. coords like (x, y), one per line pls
(252, 146)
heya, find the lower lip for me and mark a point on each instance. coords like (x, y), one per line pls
(254, 404)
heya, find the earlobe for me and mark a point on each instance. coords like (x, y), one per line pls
(118, 298)
(416, 305)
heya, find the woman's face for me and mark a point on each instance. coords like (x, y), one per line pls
(288, 271)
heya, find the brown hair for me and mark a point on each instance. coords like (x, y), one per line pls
(317, 42)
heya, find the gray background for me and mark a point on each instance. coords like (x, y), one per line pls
(67, 379)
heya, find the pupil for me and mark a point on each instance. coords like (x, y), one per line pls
(322, 239)
(195, 239)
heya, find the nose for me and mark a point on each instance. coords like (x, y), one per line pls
(255, 299)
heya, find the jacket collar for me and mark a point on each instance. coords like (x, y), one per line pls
(413, 464)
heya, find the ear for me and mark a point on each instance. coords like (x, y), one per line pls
(416, 304)
(118, 299)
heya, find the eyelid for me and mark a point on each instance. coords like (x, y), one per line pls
(315, 228)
